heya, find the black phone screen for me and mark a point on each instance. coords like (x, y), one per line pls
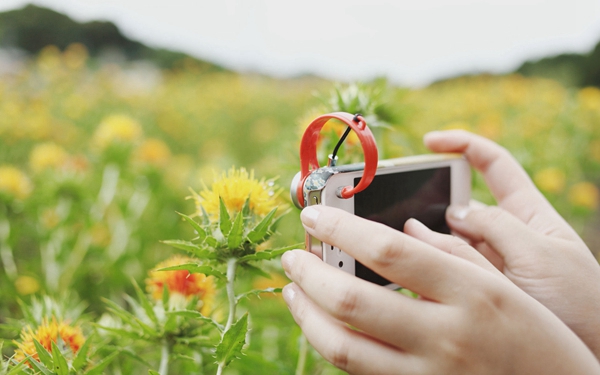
(393, 198)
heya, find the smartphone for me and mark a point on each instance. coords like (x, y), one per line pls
(419, 187)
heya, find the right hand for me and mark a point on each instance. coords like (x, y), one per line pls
(525, 238)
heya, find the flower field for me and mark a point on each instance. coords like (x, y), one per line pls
(142, 211)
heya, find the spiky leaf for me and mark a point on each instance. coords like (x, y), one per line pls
(148, 308)
(258, 233)
(43, 354)
(81, 358)
(38, 366)
(100, 366)
(269, 254)
(192, 314)
(224, 219)
(236, 235)
(233, 341)
(191, 248)
(197, 227)
(196, 268)
(258, 292)
(60, 363)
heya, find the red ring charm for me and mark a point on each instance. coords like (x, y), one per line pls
(308, 151)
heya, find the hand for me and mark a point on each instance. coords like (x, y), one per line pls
(470, 320)
(525, 237)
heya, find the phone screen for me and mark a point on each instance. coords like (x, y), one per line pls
(393, 198)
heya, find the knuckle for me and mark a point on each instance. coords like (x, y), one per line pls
(338, 354)
(346, 303)
(387, 250)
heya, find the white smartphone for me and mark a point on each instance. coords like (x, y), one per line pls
(419, 187)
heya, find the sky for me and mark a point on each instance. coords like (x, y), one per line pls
(412, 43)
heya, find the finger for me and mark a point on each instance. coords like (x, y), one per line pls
(347, 349)
(450, 244)
(499, 229)
(507, 180)
(394, 255)
(381, 313)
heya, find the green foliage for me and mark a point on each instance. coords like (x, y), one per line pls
(231, 345)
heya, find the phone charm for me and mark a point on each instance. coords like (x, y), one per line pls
(308, 151)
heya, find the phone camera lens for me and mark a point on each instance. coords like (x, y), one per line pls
(341, 264)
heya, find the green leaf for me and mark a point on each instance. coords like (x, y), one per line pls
(201, 232)
(232, 342)
(195, 268)
(259, 232)
(60, 363)
(19, 369)
(236, 235)
(258, 292)
(100, 366)
(205, 217)
(270, 254)
(148, 308)
(255, 270)
(191, 248)
(224, 219)
(246, 208)
(43, 354)
(81, 357)
(152, 372)
(192, 314)
(38, 366)
(212, 242)
(129, 318)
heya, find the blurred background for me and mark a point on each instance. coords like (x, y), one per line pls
(110, 111)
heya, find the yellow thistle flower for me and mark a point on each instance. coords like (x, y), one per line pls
(234, 187)
(47, 156)
(589, 97)
(154, 152)
(117, 128)
(26, 285)
(276, 281)
(551, 180)
(14, 182)
(585, 195)
(181, 284)
(46, 333)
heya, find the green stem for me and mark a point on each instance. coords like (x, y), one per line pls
(302, 355)
(231, 267)
(163, 368)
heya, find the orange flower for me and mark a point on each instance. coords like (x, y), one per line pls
(71, 338)
(154, 152)
(181, 283)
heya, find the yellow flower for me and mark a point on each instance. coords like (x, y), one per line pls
(234, 187)
(47, 155)
(182, 284)
(26, 285)
(14, 182)
(551, 180)
(49, 331)
(585, 195)
(117, 128)
(589, 97)
(154, 152)
(75, 56)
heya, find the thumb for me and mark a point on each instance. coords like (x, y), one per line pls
(500, 230)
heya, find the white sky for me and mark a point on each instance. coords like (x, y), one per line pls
(410, 42)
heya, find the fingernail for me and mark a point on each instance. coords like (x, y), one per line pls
(309, 216)
(287, 261)
(459, 212)
(289, 293)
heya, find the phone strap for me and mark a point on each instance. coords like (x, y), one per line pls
(308, 151)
